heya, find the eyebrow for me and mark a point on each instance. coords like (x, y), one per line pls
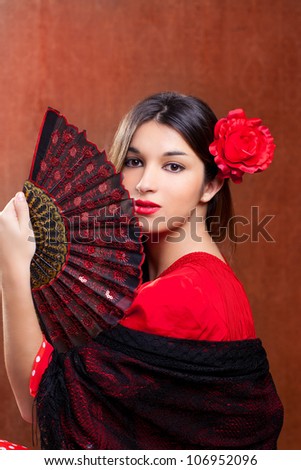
(166, 154)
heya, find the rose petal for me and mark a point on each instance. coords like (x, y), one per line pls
(241, 145)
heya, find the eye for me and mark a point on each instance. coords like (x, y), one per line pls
(133, 162)
(174, 167)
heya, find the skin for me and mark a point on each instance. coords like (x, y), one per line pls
(21, 331)
(160, 167)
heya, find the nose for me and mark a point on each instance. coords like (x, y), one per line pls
(148, 182)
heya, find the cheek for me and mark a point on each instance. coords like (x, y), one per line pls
(192, 186)
(181, 203)
(128, 181)
(189, 197)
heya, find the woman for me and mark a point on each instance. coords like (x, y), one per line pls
(184, 369)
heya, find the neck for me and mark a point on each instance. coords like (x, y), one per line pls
(167, 247)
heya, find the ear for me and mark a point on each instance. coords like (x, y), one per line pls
(210, 189)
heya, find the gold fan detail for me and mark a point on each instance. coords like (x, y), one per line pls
(50, 235)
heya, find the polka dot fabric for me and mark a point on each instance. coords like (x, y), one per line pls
(39, 365)
(6, 445)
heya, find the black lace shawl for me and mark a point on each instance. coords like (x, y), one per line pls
(133, 390)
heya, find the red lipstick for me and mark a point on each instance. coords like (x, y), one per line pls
(146, 207)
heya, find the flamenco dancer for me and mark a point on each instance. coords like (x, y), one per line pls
(183, 368)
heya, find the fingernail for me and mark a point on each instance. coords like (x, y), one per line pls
(20, 196)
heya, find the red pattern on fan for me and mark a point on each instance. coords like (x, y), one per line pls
(88, 260)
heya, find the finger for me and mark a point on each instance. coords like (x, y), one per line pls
(22, 210)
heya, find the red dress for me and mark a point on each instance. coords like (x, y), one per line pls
(198, 297)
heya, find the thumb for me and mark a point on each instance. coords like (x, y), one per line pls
(22, 210)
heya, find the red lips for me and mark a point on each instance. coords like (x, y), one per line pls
(141, 203)
(146, 207)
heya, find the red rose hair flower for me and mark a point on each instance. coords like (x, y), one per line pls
(241, 146)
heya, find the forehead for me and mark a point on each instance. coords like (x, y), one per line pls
(154, 135)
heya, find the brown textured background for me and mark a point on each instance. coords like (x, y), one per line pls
(93, 59)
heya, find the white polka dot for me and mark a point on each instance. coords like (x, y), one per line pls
(11, 447)
(33, 373)
(44, 344)
(38, 359)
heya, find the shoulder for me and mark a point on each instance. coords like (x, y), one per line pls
(198, 297)
(200, 268)
(194, 273)
(179, 303)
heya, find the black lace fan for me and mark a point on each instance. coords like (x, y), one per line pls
(87, 264)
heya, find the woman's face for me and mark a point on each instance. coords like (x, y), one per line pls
(164, 176)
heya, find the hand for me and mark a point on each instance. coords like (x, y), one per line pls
(17, 242)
